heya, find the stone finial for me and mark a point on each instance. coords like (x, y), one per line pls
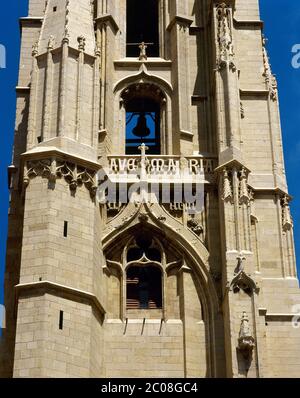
(144, 163)
(35, 49)
(244, 191)
(143, 54)
(224, 37)
(143, 148)
(267, 66)
(51, 43)
(66, 38)
(270, 79)
(81, 43)
(66, 33)
(227, 191)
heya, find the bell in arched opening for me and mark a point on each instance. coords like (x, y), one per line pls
(141, 129)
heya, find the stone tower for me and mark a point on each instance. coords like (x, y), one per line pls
(174, 93)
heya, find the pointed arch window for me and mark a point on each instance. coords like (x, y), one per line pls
(144, 277)
(144, 288)
(145, 113)
(142, 26)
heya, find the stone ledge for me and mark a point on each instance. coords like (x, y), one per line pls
(43, 152)
(286, 317)
(254, 93)
(151, 61)
(48, 286)
(248, 22)
(29, 21)
(22, 89)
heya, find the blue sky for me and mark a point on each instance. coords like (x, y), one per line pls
(282, 27)
(276, 14)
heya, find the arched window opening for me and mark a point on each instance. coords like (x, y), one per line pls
(144, 287)
(144, 247)
(144, 105)
(142, 26)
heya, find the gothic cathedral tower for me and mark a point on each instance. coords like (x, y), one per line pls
(165, 93)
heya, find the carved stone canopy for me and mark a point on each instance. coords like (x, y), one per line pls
(54, 167)
(243, 282)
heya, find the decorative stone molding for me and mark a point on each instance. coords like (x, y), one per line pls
(129, 217)
(224, 37)
(66, 34)
(195, 226)
(243, 282)
(74, 174)
(113, 209)
(38, 168)
(270, 79)
(58, 289)
(246, 341)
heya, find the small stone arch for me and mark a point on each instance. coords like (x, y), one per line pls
(143, 76)
(155, 83)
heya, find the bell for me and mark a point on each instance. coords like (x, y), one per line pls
(141, 129)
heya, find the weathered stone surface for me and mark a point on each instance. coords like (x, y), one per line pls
(230, 292)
